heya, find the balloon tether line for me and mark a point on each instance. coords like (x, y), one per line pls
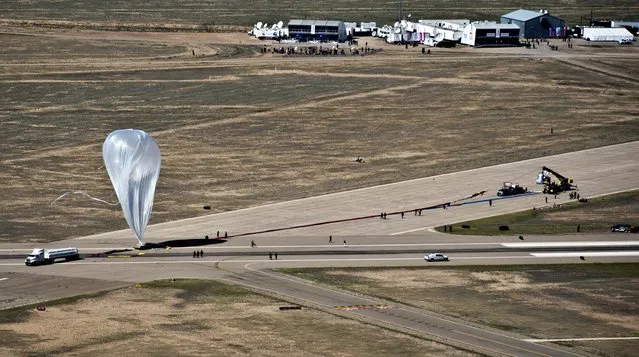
(85, 194)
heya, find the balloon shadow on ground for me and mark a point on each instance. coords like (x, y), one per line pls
(107, 253)
(181, 243)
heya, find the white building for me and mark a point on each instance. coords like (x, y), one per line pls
(360, 28)
(479, 34)
(617, 34)
(434, 32)
(428, 32)
(456, 25)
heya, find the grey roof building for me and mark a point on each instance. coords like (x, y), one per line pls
(536, 24)
(479, 34)
(318, 30)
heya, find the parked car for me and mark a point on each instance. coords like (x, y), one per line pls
(623, 228)
(435, 257)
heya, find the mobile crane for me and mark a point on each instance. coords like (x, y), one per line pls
(554, 187)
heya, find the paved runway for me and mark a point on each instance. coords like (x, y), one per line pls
(370, 242)
(596, 171)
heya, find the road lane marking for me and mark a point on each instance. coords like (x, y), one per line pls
(338, 245)
(586, 254)
(410, 231)
(513, 346)
(570, 244)
(580, 339)
(349, 245)
(498, 257)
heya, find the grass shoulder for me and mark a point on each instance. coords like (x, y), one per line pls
(595, 216)
(349, 277)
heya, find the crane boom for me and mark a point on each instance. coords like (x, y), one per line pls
(557, 175)
(564, 184)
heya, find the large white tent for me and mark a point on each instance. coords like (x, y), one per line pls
(617, 34)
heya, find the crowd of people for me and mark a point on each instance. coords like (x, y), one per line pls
(334, 50)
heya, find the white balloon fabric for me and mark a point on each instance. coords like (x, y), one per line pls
(132, 159)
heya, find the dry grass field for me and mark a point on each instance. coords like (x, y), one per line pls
(239, 128)
(241, 13)
(195, 318)
(551, 301)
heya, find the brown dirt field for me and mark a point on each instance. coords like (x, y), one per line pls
(239, 128)
(199, 318)
(558, 301)
(186, 12)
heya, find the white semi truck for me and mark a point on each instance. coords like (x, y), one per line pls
(41, 256)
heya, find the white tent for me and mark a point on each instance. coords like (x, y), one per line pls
(617, 34)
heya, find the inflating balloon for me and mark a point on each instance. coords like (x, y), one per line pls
(132, 159)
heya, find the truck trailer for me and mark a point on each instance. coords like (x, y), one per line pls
(41, 256)
(511, 189)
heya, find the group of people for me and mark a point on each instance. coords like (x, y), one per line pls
(574, 195)
(321, 50)
(416, 212)
(271, 255)
(330, 240)
(226, 235)
(534, 43)
(198, 254)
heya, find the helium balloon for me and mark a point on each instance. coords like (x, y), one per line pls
(132, 159)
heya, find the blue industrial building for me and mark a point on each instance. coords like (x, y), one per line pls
(536, 24)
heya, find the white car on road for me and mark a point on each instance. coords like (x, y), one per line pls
(434, 257)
